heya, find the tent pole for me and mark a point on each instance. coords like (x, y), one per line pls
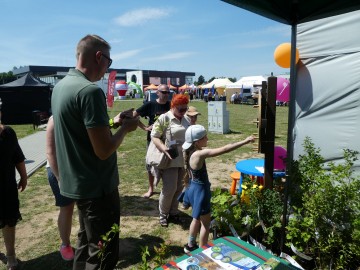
(290, 138)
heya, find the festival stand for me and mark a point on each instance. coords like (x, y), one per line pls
(228, 253)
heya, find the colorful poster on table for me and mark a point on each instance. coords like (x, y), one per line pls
(220, 256)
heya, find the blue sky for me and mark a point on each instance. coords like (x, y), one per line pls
(208, 37)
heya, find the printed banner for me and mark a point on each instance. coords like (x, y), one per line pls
(110, 89)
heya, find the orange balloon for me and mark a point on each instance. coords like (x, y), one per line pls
(282, 55)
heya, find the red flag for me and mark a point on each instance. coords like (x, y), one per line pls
(110, 89)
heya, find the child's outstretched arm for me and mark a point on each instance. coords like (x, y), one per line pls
(225, 149)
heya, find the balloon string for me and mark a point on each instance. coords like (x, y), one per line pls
(284, 86)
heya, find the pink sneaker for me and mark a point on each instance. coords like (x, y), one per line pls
(67, 253)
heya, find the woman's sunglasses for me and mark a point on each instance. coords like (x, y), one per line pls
(182, 110)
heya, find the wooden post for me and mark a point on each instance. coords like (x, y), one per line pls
(262, 117)
(268, 143)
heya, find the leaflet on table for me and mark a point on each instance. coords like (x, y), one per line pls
(270, 264)
(219, 257)
(260, 169)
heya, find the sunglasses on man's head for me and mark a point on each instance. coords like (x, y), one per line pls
(182, 110)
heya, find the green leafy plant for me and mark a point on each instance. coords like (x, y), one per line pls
(162, 253)
(326, 218)
(144, 259)
(261, 206)
(270, 206)
(227, 209)
(105, 241)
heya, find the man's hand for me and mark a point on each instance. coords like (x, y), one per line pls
(127, 114)
(118, 119)
(130, 124)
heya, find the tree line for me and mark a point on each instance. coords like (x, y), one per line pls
(201, 80)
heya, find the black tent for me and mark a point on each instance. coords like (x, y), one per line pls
(22, 97)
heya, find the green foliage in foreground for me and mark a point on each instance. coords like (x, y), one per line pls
(326, 221)
(256, 206)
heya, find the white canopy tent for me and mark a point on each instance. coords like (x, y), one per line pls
(327, 99)
(247, 82)
(217, 83)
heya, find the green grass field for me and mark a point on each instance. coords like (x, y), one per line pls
(38, 240)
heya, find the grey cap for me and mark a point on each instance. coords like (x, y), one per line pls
(193, 134)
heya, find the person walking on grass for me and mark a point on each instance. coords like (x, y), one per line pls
(198, 194)
(11, 157)
(87, 152)
(65, 204)
(152, 110)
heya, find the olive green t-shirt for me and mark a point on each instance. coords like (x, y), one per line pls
(78, 105)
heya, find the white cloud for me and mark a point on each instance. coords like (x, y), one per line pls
(124, 55)
(141, 16)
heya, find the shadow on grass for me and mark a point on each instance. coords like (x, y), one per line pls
(130, 254)
(51, 261)
(130, 249)
(234, 132)
(149, 207)
(138, 205)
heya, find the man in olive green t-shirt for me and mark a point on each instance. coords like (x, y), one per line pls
(86, 151)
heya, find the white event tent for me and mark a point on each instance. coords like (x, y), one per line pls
(247, 82)
(218, 84)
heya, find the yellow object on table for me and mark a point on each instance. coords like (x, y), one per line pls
(245, 194)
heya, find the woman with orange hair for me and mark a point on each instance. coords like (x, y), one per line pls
(171, 126)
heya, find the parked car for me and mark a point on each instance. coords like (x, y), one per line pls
(151, 95)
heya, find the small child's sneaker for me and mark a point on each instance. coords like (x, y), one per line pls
(66, 252)
(188, 249)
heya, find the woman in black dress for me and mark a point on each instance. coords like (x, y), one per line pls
(11, 157)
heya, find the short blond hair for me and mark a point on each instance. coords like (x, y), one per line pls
(165, 87)
(91, 44)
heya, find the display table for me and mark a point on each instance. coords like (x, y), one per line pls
(253, 167)
(228, 253)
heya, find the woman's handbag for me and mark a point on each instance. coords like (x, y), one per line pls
(156, 158)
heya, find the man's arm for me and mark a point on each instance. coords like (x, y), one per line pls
(50, 147)
(104, 142)
(140, 125)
